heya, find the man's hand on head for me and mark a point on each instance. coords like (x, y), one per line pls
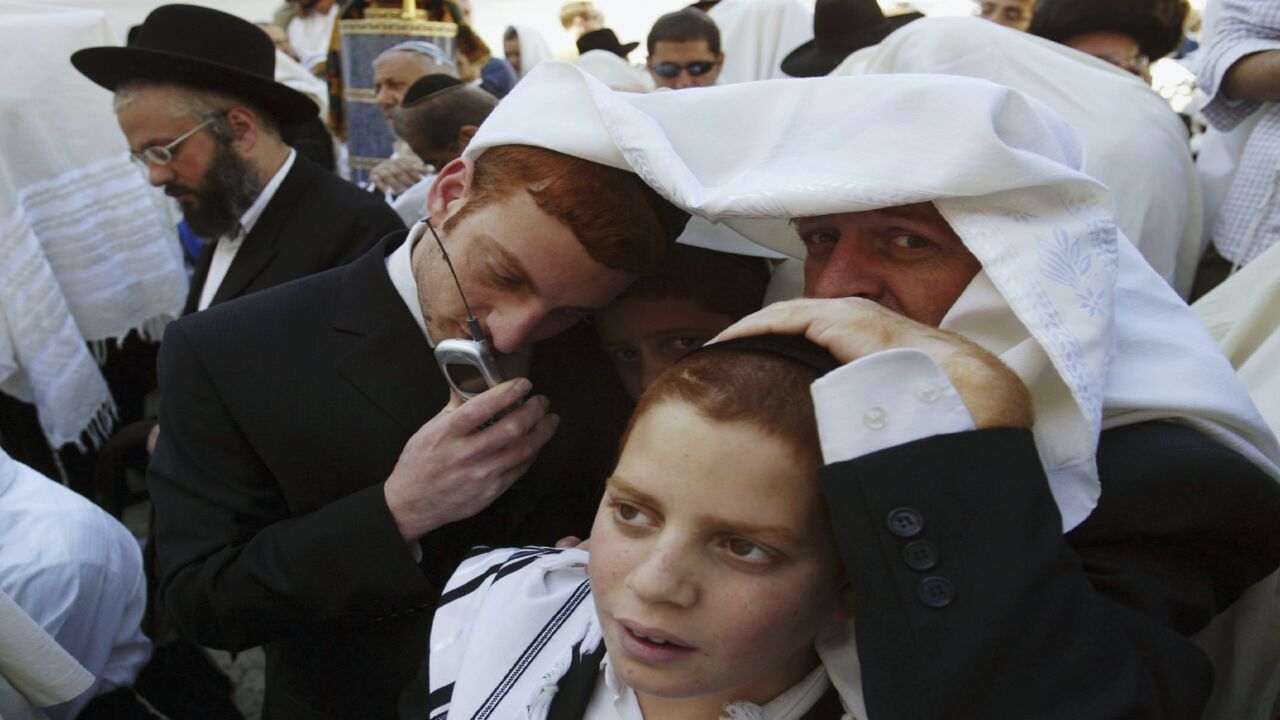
(397, 174)
(450, 470)
(853, 328)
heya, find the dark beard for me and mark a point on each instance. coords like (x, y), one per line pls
(230, 186)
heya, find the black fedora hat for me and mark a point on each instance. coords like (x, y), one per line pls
(841, 27)
(1156, 25)
(605, 40)
(204, 48)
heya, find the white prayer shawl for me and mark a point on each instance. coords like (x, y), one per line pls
(510, 623)
(756, 35)
(1243, 315)
(613, 71)
(533, 48)
(1064, 299)
(1131, 140)
(87, 248)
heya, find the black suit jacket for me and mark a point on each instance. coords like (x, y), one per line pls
(284, 413)
(971, 603)
(314, 222)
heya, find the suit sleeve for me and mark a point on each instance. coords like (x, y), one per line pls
(970, 603)
(237, 568)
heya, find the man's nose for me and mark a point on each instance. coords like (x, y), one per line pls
(158, 174)
(846, 272)
(683, 80)
(663, 576)
(650, 368)
(511, 329)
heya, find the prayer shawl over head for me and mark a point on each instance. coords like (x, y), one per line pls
(512, 622)
(533, 48)
(756, 35)
(87, 249)
(1064, 299)
(1130, 139)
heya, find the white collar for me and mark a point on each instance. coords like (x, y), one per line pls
(790, 705)
(250, 216)
(400, 268)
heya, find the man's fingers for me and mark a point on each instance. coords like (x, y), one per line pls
(477, 411)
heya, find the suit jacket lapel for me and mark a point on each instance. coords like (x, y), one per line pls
(261, 244)
(390, 363)
(574, 690)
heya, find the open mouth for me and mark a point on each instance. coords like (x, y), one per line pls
(652, 645)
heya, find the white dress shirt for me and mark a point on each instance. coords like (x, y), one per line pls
(78, 573)
(229, 245)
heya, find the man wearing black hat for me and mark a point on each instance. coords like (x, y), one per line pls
(841, 28)
(1130, 34)
(196, 99)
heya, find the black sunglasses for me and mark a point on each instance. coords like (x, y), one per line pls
(695, 68)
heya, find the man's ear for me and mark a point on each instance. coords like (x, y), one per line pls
(720, 60)
(244, 124)
(450, 190)
(465, 133)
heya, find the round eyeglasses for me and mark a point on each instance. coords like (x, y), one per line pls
(695, 68)
(163, 154)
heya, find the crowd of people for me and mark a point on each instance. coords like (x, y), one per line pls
(825, 364)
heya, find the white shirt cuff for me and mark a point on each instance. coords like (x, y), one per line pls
(885, 399)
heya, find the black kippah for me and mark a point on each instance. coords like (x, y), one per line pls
(426, 86)
(795, 348)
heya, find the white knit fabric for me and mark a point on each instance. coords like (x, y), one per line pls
(88, 251)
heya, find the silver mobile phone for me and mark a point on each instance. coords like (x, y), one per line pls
(469, 366)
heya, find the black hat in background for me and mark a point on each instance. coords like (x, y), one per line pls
(605, 40)
(203, 48)
(1155, 24)
(840, 28)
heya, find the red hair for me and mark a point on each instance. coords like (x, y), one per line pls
(762, 389)
(610, 211)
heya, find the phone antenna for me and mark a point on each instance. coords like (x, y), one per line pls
(472, 323)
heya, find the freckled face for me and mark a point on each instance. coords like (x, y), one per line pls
(905, 258)
(712, 562)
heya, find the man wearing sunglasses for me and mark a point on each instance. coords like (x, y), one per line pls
(684, 50)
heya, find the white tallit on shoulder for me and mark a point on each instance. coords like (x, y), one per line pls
(1064, 299)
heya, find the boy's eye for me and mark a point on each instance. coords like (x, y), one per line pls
(623, 354)
(747, 551)
(629, 514)
(682, 345)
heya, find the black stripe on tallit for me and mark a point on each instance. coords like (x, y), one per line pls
(514, 562)
(535, 646)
